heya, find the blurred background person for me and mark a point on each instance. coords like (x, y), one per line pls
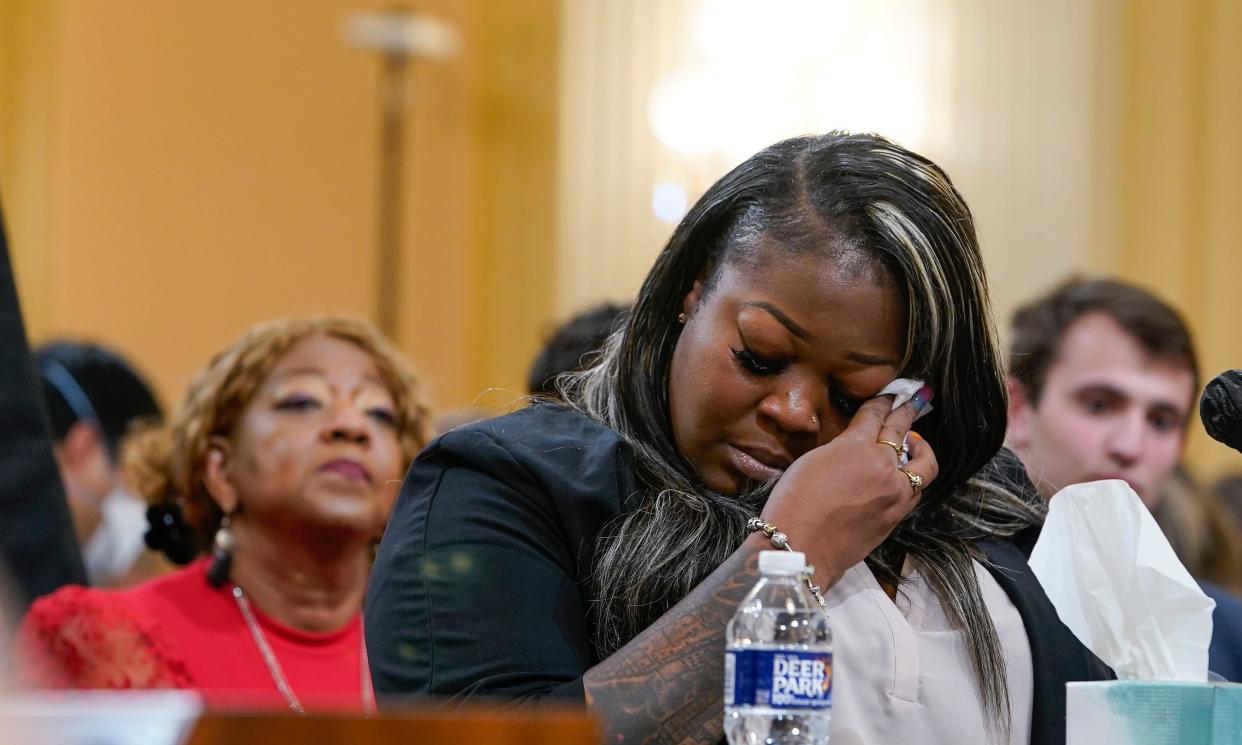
(573, 345)
(1228, 490)
(94, 399)
(284, 457)
(1102, 381)
(1201, 530)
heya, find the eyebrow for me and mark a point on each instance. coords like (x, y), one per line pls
(319, 373)
(779, 315)
(1159, 404)
(861, 358)
(296, 372)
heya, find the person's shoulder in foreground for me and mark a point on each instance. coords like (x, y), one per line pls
(496, 520)
(82, 637)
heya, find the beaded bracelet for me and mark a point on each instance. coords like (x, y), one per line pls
(781, 542)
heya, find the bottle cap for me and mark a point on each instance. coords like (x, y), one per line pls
(781, 562)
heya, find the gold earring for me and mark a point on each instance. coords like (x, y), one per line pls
(681, 317)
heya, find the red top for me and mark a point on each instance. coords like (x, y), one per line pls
(177, 631)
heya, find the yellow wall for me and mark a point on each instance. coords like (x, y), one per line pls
(27, 66)
(173, 171)
(176, 171)
(1173, 196)
(518, 95)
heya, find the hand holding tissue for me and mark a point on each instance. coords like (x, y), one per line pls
(902, 390)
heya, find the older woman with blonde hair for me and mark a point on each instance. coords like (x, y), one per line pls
(283, 460)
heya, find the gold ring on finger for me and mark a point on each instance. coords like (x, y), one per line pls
(898, 447)
(916, 481)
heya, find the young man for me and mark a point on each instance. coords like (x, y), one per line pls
(1103, 376)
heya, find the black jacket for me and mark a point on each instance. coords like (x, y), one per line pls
(482, 582)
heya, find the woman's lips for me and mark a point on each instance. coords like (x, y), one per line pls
(350, 469)
(752, 467)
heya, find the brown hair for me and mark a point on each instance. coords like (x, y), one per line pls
(1201, 530)
(166, 464)
(1039, 326)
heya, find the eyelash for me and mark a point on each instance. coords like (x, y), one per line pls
(756, 365)
(847, 405)
(297, 403)
(302, 403)
(761, 367)
(384, 416)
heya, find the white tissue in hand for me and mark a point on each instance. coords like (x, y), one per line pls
(904, 389)
(1116, 583)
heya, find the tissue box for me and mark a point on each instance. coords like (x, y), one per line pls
(1227, 715)
(1150, 712)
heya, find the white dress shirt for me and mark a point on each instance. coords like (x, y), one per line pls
(903, 673)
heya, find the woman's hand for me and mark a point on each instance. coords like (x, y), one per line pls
(838, 502)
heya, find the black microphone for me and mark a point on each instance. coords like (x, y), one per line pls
(1221, 409)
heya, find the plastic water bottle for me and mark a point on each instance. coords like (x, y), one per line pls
(778, 660)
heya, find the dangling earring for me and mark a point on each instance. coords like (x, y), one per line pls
(681, 318)
(221, 555)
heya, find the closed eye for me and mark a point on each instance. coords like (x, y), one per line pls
(845, 404)
(298, 403)
(756, 365)
(383, 416)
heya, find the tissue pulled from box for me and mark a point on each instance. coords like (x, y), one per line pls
(1116, 583)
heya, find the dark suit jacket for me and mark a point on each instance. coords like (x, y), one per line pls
(36, 532)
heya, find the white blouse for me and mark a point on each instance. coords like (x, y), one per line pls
(902, 673)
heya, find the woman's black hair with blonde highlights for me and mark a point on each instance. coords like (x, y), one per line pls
(842, 197)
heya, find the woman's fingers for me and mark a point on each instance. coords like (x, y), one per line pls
(878, 419)
(899, 421)
(922, 464)
(870, 417)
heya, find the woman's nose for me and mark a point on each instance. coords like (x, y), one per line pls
(793, 410)
(1127, 440)
(347, 423)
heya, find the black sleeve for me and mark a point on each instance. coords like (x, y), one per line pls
(474, 590)
(36, 532)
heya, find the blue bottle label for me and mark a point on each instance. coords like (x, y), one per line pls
(779, 679)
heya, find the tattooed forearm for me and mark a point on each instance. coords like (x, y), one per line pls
(665, 685)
